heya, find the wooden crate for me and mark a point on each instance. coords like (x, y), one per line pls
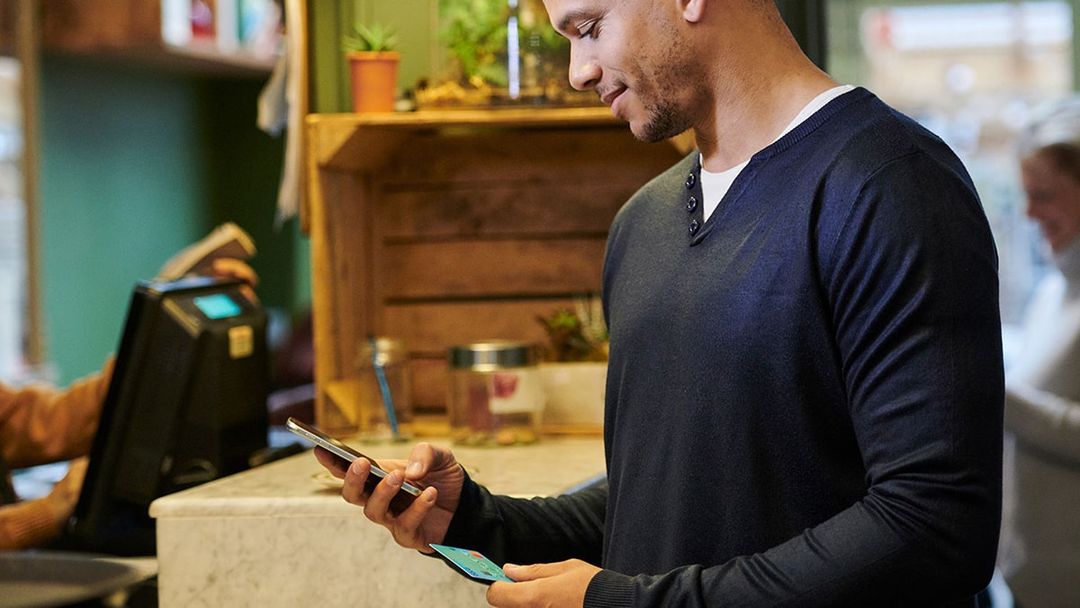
(444, 228)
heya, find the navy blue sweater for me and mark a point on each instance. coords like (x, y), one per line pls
(804, 395)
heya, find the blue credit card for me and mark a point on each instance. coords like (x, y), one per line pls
(473, 563)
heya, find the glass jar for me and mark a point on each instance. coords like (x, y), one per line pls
(383, 394)
(495, 395)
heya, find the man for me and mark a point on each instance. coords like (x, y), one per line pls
(805, 386)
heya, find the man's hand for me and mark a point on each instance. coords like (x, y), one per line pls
(428, 518)
(562, 584)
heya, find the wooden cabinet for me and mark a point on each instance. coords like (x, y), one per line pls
(443, 228)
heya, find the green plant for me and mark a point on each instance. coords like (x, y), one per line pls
(576, 335)
(475, 33)
(370, 38)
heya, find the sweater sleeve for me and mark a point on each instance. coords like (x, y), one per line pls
(41, 424)
(27, 524)
(530, 531)
(910, 277)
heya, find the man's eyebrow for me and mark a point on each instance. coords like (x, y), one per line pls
(571, 17)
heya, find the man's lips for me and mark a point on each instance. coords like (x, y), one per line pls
(609, 97)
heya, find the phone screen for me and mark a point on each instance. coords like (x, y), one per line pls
(401, 500)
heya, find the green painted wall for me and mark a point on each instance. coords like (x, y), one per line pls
(244, 171)
(122, 181)
(135, 165)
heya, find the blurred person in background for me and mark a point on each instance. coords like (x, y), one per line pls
(1040, 551)
(41, 425)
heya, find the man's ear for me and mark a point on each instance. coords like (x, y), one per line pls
(692, 10)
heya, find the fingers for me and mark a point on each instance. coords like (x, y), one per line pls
(420, 460)
(426, 458)
(355, 477)
(249, 293)
(559, 584)
(535, 571)
(232, 267)
(406, 526)
(378, 503)
(501, 594)
(335, 465)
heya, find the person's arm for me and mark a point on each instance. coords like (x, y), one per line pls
(529, 531)
(1042, 419)
(912, 286)
(40, 424)
(33, 523)
(457, 511)
(27, 524)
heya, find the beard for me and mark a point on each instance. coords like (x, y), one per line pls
(664, 122)
(662, 89)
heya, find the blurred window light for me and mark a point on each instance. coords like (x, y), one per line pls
(983, 25)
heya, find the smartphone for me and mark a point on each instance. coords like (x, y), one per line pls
(401, 501)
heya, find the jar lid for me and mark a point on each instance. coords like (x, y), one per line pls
(492, 354)
(387, 351)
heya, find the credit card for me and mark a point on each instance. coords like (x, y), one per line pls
(473, 564)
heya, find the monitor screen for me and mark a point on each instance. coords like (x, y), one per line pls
(217, 306)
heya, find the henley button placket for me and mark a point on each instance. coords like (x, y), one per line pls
(692, 203)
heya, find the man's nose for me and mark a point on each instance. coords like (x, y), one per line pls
(1033, 210)
(585, 73)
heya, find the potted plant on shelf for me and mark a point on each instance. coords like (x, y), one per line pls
(373, 66)
(574, 371)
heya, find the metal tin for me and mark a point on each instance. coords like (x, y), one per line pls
(493, 354)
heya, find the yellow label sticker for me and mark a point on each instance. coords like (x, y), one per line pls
(241, 341)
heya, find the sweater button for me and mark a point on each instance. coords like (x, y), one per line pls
(691, 205)
(694, 227)
(690, 181)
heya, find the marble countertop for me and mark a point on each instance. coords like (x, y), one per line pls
(299, 487)
(280, 535)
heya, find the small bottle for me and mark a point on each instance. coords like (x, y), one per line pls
(496, 395)
(513, 51)
(385, 407)
(524, 50)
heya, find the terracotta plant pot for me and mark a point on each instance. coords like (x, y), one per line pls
(374, 80)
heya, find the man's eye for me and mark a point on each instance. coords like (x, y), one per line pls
(588, 29)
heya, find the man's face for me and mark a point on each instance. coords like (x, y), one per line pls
(628, 51)
(1053, 200)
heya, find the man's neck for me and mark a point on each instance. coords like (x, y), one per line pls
(749, 113)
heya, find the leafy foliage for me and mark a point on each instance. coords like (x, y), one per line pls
(373, 38)
(576, 336)
(475, 33)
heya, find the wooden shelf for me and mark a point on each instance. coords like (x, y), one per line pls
(129, 31)
(448, 227)
(361, 142)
